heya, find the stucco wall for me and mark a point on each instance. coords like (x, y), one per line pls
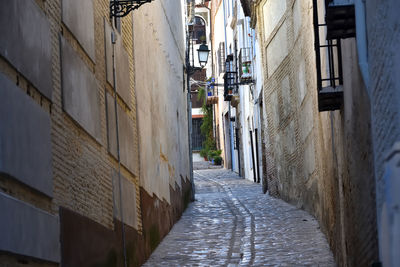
(322, 162)
(384, 63)
(161, 98)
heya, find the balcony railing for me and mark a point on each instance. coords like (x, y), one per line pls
(230, 87)
(245, 66)
(338, 24)
(230, 78)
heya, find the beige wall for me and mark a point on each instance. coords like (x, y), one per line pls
(161, 98)
(82, 133)
(82, 166)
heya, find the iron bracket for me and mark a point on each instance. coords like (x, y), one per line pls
(121, 8)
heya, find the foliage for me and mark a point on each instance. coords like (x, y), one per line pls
(203, 153)
(217, 160)
(212, 154)
(206, 127)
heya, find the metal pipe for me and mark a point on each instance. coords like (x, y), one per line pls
(258, 165)
(317, 44)
(113, 40)
(252, 157)
(189, 111)
(362, 43)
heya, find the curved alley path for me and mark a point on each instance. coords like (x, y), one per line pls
(232, 223)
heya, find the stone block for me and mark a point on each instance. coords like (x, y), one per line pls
(26, 230)
(273, 11)
(126, 131)
(277, 50)
(306, 122)
(309, 159)
(81, 99)
(297, 17)
(77, 15)
(128, 191)
(275, 109)
(286, 99)
(25, 144)
(122, 74)
(108, 50)
(290, 138)
(25, 42)
(301, 93)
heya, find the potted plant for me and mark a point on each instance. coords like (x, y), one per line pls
(217, 160)
(212, 154)
(203, 153)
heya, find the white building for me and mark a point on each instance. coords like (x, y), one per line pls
(235, 48)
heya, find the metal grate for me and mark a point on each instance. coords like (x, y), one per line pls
(221, 58)
(329, 66)
(245, 66)
(197, 137)
(230, 78)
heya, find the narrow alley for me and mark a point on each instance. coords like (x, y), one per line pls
(232, 223)
(199, 133)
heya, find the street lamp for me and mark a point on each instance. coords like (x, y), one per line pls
(203, 52)
(203, 55)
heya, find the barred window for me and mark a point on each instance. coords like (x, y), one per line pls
(221, 58)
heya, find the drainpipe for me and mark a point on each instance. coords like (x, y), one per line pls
(258, 164)
(189, 112)
(252, 156)
(113, 40)
(362, 44)
(229, 110)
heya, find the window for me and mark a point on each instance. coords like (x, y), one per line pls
(221, 58)
(199, 30)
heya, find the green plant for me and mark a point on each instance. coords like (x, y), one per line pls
(206, 127)
(203, 153)
(213, 153)
(217, 160)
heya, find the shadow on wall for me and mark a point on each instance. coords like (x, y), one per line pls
(87, 243)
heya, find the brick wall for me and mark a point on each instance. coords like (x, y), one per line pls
(76, 94)
(322, 162)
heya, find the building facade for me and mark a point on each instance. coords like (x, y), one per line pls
(382, 63)
(317, 121)
(94, 156)
(234, 73)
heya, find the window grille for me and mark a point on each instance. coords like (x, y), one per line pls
(328, 33)
(221, 58)
(245, 66)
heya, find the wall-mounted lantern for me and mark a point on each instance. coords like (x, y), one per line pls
(203, 54)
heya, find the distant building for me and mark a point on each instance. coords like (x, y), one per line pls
(239, 84)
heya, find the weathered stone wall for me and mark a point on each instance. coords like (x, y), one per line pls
(161, 97)
(321, 162)
(384, 64)
(58, 152)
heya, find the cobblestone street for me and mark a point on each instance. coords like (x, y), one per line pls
(232, 223)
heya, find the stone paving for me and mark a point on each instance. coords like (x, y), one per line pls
(232, 223)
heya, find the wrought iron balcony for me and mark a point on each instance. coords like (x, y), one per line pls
(230, 78)
(245, 66)
(340, 20)
(338, 24)
(230, 87)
